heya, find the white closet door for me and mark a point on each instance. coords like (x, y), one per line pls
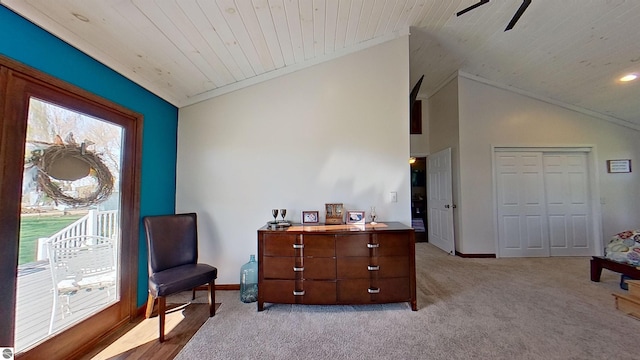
(522, 218)
(568, 208)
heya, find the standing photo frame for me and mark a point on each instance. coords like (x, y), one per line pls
(310, 217)
(355, 217)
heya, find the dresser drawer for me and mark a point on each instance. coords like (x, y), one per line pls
(319, 292)
(308, 267)
(353, 267)
(279, 244)
(393, 244)
(352, 245)
(309, 245)
(365, 267)
(277, 291)
(380, 244)
(311, 292)
(362, 291)
(320, 245)
(319, 268)
(279, 267)
(393, 266)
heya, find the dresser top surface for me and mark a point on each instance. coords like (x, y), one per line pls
(322, 228)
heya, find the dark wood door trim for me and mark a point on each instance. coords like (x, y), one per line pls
(10, 191)
(17, 84)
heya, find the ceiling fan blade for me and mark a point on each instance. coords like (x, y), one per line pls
(516, 16)
(481, 2)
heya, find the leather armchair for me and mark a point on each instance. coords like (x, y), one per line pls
(172, 242)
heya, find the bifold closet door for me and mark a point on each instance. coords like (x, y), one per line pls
(522, 220)
(543, 204)
(568, 206)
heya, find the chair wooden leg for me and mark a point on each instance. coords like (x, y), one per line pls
(150, 302)
(162, 302)
(194, 294)
(212, 298)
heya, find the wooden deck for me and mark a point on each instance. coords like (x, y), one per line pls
(35, 304)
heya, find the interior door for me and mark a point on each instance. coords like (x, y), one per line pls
(440, 201)
(522, 220)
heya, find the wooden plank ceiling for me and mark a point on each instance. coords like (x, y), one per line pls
(185, 51)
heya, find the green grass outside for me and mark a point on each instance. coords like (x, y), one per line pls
(34, 227)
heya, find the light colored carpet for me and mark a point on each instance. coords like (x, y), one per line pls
(533, 308)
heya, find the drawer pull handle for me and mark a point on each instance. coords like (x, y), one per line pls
(298, 293)
(298, 246)
(298, 269)
(373, 268)
(373, 291)
(373, 246)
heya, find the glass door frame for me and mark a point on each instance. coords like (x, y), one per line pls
(18, 83)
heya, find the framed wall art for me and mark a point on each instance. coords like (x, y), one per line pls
(619, 166)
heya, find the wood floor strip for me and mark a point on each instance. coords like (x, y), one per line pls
(139, 340)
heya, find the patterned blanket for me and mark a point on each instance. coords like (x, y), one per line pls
(624, 247)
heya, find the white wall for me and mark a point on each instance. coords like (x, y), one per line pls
(444, 133)
(492, 116)
(335, 132)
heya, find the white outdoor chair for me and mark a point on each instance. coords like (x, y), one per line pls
(80, 263)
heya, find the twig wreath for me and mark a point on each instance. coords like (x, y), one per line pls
(43, 159)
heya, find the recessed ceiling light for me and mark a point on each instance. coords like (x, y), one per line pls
(629, 77)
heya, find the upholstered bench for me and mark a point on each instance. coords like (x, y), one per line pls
(622, 255)
(598, 263)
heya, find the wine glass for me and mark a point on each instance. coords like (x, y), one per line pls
(283, 212)
(274, 212)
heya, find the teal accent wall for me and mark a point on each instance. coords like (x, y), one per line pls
(24, 42)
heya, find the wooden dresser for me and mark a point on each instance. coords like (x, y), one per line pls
(337, 264)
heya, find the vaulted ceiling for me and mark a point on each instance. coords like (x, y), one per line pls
(569, 52)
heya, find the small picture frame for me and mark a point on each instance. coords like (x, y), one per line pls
(619, 166)
(355, 217)
(310, 217)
